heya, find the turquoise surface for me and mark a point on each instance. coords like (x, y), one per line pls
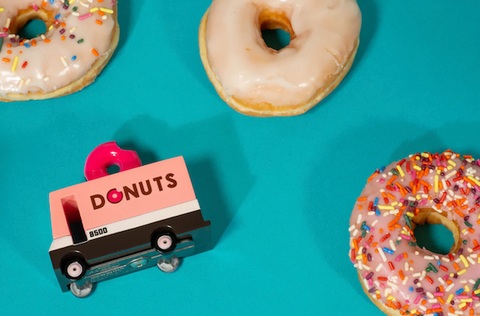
(279, 191)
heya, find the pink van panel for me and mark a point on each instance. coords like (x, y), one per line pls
(122, 195)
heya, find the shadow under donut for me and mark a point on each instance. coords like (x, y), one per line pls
(128, 18)
(334, 190)
(183, 36)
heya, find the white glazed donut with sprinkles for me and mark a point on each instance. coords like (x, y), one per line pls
(81, 37)
(398, 276)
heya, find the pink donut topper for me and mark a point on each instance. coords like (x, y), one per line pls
(106, 155)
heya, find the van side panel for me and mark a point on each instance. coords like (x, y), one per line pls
(134, 240)
(124, 195)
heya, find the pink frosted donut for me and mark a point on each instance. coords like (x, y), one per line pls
(106, 155)
(398, 276)
(257, 80)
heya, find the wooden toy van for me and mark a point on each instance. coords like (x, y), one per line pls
(116, 224)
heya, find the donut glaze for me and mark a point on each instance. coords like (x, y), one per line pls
(324, 33)
(77, 35)
(106, 155)
(400, 277)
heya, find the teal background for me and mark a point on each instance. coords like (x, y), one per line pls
(279, 191)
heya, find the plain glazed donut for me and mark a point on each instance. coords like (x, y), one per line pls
(80, 39)
(259, 81)
(397, 275)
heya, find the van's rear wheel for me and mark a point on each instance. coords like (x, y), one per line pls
(75, 268)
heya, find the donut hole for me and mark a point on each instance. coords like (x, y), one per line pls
(32, 29)
(276, 39)
(112, 169)
(434, 238)
(276, 29)
(435, 232)
(29, 23)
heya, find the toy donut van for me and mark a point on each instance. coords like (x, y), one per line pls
(116, 224)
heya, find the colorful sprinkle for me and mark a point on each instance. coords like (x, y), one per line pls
(85, 16)
(106, 10)
(15, 63)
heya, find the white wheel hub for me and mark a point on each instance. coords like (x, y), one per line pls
(164, 242)
(74, 269)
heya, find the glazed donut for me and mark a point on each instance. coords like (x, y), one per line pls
(259, 81)
(397, 275)
(80, 39)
